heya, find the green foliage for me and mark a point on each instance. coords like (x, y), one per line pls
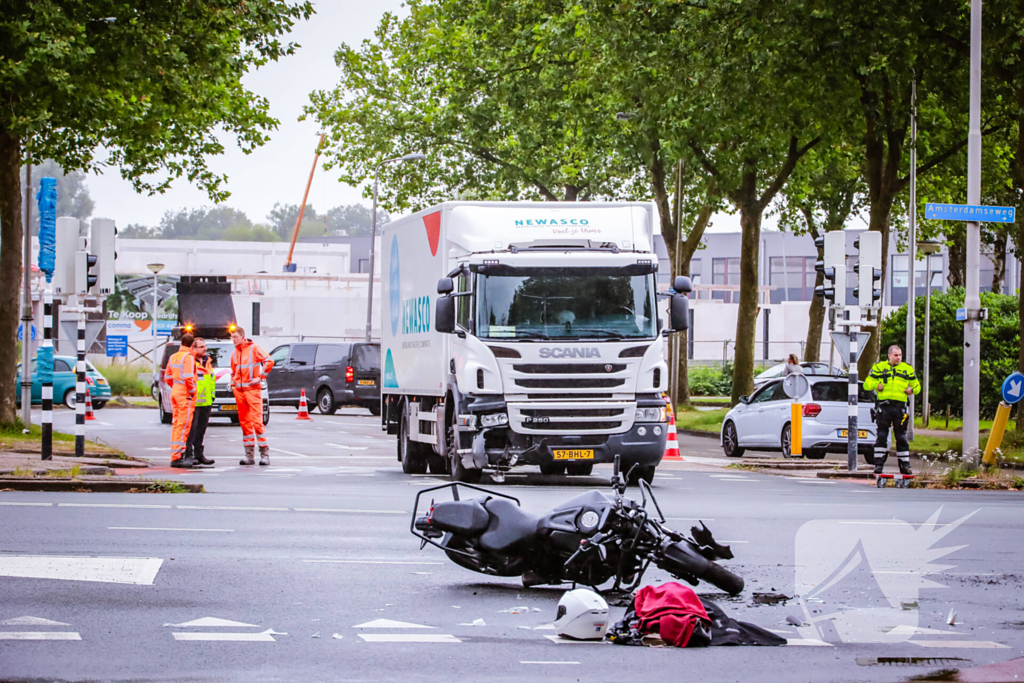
(1000, 342)
(124, 380)
(165, 486)
(710, 381)
(701, 420)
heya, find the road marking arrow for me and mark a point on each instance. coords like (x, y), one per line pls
(32, 621)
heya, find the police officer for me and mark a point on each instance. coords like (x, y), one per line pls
(205, 390)
(894, 381)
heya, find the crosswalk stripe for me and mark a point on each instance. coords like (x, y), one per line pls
(226, 637)
(39, 635)
(409, 638)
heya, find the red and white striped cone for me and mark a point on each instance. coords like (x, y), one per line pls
(303, 410)
(672, 442)
(89, 415)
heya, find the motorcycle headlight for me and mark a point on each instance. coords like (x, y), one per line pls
(650, 415)
(494, 420)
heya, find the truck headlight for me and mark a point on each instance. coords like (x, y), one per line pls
(494, 420)
(650, 415)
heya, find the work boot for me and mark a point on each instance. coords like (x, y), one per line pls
(904, 463)
(880, 458)
(264, 455)
(183, 463)
(249, 453)
(202, 459)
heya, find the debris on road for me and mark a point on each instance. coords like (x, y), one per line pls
(770, 598)
(951, 619)
(515, 610)
(794, 621)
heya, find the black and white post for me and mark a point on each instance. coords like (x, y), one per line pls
(80, 385)
(47, 388)
(854, 386)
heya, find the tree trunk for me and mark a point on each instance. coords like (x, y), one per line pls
(686, 251)
(999, 263)
(10, 270)
(956, 277)
(746, 318)
(879, 221)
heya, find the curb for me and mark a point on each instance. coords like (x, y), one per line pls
(65, 485)
(843, 474)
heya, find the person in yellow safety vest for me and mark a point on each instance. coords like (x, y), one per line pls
(894, 381)
(206, 387)
(181, 376)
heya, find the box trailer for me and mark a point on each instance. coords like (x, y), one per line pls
(525, 333)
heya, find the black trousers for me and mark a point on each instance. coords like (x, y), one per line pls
(200, 419)
(892, 414)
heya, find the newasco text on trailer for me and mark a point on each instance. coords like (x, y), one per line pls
(525, 333)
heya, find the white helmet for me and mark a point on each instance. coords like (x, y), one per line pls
(582, 615)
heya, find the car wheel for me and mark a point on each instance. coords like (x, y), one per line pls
(787, 446)
(266, 414)
(70, 399)
(579, 469)
(165, 417)
(814, 453)
(731, 441)
(551, 468)
(325, 402)
(374, 409)
(98, 405)
(154, 391)
(234, 421)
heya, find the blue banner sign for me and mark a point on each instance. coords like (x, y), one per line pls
(967, 212)
(117, 346)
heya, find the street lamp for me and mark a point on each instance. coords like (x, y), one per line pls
(415, 156)
(927, 247)
(154, 268)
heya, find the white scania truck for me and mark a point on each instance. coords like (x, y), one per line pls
(525, 333)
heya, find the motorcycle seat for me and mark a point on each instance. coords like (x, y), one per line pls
(508, 526)
(461, 516)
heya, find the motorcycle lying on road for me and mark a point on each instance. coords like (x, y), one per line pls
(589, 540)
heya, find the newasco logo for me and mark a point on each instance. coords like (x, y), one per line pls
(550, 221)
(394, 284)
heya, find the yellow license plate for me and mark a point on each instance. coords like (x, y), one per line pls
(230, 407)
(573, 454)
(367, 382)
(861, 434)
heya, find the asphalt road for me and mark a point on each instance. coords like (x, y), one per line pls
(305, 555)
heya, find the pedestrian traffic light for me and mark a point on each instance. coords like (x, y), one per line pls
(102, 247)
(869, 268)
(833, 266)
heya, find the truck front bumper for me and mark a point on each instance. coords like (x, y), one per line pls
(647, 448)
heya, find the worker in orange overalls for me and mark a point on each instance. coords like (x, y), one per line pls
(249, 365)
(180, 375)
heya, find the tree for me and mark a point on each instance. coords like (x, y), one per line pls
(138, 231)
(151, 84)
(283, 216)
(204, 223)
(354, 219)
(72, 194)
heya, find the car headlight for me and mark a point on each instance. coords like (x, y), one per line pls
(494, 420)
(650, 415)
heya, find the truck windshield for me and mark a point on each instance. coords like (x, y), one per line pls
(569, 303)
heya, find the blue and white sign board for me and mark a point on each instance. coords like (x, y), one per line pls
(1013, 388)
(961, 315)
(164, 327)
(117, 346)
(21, 332)
(969, 212)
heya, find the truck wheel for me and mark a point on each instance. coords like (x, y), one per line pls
(410, 452)
(437, 464)
(579, 469)
(458, 471)
(325, 402)
(165, 417)
(640, 472)
(551, 468)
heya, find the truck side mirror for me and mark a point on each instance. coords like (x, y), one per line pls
(682, 284)
(444, 313)
(445, 286)
(679, 312)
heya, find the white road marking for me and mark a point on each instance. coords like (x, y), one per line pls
(521, 661)
(281, 450)
(210, 622)
(370, 562)
(689, 519)
(105, 424)
(227, 637)
(391, 623)
(158, 528)
(29, 504)
(32, 621)
(808, 641)
(113, 505)
(228, 507)
(351, 448)
(368, 512)
(134, 570)
(979, 644)
(409, 638)
(39, 635)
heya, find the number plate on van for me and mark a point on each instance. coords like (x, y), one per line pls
(367, 382)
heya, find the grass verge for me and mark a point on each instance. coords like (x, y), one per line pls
(701, 420)
(11, 436)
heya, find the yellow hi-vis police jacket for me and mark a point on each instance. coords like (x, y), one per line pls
(895, 380)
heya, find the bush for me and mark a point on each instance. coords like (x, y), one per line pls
(710, 381)
(124, 380)
(1000, 341)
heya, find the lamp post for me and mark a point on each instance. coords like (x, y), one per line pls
(927, 247)
(373, 233)
(154, 268)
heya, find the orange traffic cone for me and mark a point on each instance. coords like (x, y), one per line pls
(303, 410)
(89, 415)
(672, 442)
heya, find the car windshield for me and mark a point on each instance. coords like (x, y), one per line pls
(565, 304)
(220, 354)
(774, 371)
(837, 392)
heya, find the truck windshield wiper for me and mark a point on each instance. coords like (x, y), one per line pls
(532, 335)
(606, 333)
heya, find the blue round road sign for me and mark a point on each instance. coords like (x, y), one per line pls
(1013, 388)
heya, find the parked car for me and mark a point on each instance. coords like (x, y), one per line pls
(332, 374)
(761, 422)
(64, 383)
(811, 368)
(224, 398)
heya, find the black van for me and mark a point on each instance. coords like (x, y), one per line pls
(332, 374)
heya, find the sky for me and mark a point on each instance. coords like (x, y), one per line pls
(278, 171)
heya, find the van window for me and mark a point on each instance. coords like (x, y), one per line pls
(366, 356)
(462, 303)
(280, 354)
(303, 354)
(331, 354)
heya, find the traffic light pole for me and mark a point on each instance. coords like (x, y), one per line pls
(853, 394)
(80, 386)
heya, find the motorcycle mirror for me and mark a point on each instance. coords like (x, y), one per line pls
(615, 467)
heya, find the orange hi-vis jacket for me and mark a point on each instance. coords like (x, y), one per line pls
(181, 371)
(249, 365)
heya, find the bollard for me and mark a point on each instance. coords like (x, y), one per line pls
(796, 432)
(995, 437)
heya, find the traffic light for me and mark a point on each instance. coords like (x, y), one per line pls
(102, 248)
(64, 261)
(869, 268)
(833, 266)
(84, 279)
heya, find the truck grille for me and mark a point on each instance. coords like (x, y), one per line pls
(569, 369)
(571, 383)
(567, 412)
(556, 416)
(224, 393)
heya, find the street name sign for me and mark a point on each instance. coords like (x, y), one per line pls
(970, 212)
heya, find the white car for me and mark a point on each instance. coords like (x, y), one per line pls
(811, 369)
(761, 422)
(224, 399)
